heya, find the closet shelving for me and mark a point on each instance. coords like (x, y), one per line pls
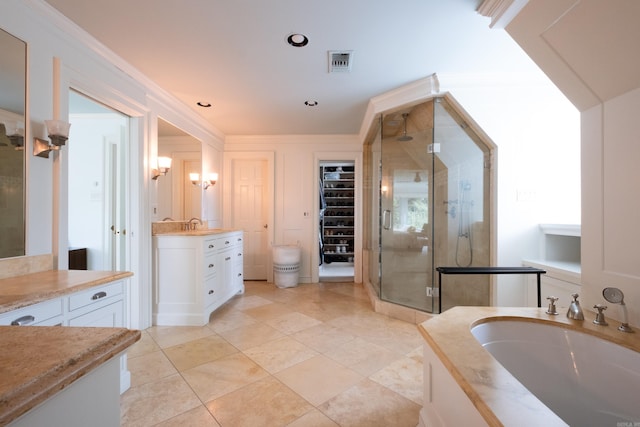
(337, 219)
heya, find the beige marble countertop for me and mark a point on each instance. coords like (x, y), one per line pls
(37, 362)
(21, 291)
(199, 232)
(497, 395)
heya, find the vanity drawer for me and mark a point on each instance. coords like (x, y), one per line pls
(211, 246)
(44, 313)
(210, 292)
(209, 266)
(97, 295)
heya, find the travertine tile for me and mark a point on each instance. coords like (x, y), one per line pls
(168, 336)
(149, 367)
(268, 311)
(318, 379)
(274, 356)
(214, 379)
(246, 337)
(197, 417)
(289, 323)
(229, 319)
(263, 403)
(323, 337)
(157, 401)
(313, 418)
(196, 352)
(362, 356)
(403, 376)
(146, 345)
(370, 404)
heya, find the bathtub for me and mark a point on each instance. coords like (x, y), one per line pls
(585, 380)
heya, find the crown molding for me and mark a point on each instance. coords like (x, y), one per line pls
(501, 12)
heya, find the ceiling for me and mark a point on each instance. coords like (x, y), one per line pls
(234, 54)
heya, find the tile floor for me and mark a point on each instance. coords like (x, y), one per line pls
(313, 355)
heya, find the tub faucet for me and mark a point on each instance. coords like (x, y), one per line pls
(192, 224)
(575, 311)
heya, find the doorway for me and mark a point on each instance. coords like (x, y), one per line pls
(337, 221)
(98, 184)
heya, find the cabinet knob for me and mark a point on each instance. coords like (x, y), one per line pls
(211, 291)
(227, 258)
(210, 246)
(210, 265)
(99, 295)
(24, 320)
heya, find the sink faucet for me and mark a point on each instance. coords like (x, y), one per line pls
(192, 225)
(575, 311)
(168, 219)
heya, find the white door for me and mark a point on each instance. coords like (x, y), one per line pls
(98, 188)
(250, 214)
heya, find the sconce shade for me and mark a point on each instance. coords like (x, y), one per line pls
(58, 131)
(164, 163)
(213, 177)
(194, 177)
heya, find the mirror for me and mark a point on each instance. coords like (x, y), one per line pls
(178, 198)
(12, 162)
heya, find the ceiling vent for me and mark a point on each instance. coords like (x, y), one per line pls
(340, 61)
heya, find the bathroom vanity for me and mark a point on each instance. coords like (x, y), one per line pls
(52, 373)
(194, 273)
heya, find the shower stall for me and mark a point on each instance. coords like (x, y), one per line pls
(430, 201)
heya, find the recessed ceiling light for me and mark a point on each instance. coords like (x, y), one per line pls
(310, 103)
(204, 104)
(297, 40)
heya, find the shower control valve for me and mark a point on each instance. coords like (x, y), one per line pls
(552, 305)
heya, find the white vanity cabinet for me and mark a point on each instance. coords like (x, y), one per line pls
(101, 305)
(194, 274)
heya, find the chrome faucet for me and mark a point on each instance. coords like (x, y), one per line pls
(575, 311)
(168, 219)
(192, 225)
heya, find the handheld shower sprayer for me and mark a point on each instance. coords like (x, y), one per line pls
(615, 296)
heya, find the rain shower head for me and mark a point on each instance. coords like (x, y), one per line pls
(404, 136)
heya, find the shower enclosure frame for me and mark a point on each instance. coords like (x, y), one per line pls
(375, 199)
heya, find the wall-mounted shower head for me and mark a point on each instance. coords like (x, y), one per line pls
(404, 136)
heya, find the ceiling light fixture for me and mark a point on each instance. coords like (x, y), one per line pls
(204, 104)
(297, 40)
(311, 103)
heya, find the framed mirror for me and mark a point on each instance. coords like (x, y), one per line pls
(178, 198)
(12, 140)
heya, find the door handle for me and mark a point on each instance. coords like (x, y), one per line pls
(265, 226)
(386, 219)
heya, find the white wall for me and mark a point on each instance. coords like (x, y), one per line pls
(296, 187)
(60, 56)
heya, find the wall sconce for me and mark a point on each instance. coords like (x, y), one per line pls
(164, 164)
(58, 131)
(384, 189)
(195, 180)
(15, 133)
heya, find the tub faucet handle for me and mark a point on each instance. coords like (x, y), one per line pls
(600, 320)
(552, 305)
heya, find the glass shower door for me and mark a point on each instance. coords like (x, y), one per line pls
(406, 230)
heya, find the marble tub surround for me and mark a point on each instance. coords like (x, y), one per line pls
(54, 358)
(312, 355)
(21, 291)
(496, 394)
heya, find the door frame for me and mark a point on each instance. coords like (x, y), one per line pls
(337, 156)
(138, 240)
(227, 192)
